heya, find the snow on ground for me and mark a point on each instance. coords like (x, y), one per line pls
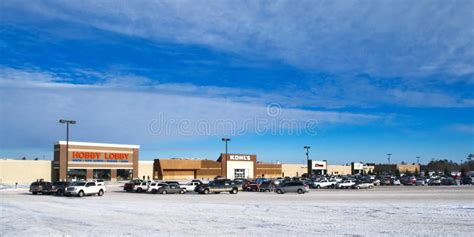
(397, 211)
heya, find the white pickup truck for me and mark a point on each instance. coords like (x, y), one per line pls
(190, 186)
(324, 183)
(83, 188)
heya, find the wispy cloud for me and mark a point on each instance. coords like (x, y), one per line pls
(129, 113)
(463, 128)
(389, 38)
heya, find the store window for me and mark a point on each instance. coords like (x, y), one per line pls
(124, 174)
(239, 173)
(101, 174)
(76, 174)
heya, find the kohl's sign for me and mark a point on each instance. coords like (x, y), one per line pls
(239, 158)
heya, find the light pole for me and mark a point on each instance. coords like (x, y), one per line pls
(418, 160)
(226, 140)
(389, 155)
(307, 160)
(67, 122)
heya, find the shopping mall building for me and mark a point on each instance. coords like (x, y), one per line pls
(231, 166)
(115, 162)
(84, 160)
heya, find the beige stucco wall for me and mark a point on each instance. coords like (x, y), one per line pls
(145, 168)
(339, 169)
(293, 170)
(24, 171)
(410, 167)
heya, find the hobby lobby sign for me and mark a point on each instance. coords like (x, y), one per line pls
(100, 156)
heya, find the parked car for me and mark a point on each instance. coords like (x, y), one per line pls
(267, 186)
(219, 186)
(396, 182)
(345, 184)
(448, 181)
(386, 182)
(142, 186)
(153, 187)
(132, 185)
(41, 187)
(170, 189)
(323, 183)
(363, 185)
(467, 180)
(252, 186)
(409, 180)
(278, 181)
(191, 185)
(420, 182)
(434, 182)
(82, 188)
(171, 182)
(59, 187)
(197, 188)
(293, 186)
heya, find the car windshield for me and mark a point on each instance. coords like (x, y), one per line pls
(78, 184)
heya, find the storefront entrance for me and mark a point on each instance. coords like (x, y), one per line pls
(102, 174)
(240, 174)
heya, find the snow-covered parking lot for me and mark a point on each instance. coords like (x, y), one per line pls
(382, 211)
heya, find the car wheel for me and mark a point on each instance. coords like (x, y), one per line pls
(206, 191)
(34, 193)
(60, 192)
(318, 187)
(234, 191)
(101, 193)
(153, 191)
(181, 192)
(279, 191)
(164, 192)
(300, 191)
(80, 194)
(139, 190)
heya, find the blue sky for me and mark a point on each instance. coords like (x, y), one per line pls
(354, 80)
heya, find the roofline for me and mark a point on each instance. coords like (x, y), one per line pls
(98, 144)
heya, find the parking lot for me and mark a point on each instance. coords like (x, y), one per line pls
(445, 210)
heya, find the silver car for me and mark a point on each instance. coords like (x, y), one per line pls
(294, 186)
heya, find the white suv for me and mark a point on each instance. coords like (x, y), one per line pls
(83, 188)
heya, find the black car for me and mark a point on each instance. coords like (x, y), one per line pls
(466, 180)
(219, 186)
(267, 186)
(172, 189)
(41, 187)
(59, 187)
(448, 181)
(201, 186)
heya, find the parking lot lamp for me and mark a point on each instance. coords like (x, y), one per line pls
(418, 160)
(307, 160)
(226, 140)
(389, 155)
(67, 122)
